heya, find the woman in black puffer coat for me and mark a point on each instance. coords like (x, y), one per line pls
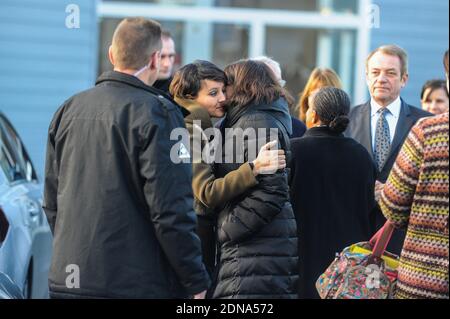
(257, 230)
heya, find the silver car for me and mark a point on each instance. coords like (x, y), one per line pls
(25, 237)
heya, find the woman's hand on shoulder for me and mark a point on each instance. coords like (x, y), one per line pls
(269, 160)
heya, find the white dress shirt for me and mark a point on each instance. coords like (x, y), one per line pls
(392, 117)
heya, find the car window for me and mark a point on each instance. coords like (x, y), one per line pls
(3, 179)
(15, 161)
(4, 166)
(8, 159)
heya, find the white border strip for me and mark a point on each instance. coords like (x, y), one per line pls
(229, 15)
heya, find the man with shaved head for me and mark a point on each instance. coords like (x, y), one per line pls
(122, 227)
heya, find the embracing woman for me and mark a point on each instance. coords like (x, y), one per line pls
(257, 229)
(199, 87)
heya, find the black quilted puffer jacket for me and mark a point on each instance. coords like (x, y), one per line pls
(257, 234)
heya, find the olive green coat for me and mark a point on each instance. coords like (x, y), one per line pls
(211, 192)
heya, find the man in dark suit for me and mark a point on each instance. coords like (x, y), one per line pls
(382, 124)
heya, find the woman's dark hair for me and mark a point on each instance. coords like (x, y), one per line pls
(432, 86)
(186, 82)
(332, 105)
(253, 83)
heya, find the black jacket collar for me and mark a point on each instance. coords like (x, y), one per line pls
(114, 76)
(321, 131)
(278, 109)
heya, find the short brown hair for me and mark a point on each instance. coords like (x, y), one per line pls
(319, 78)
(187, 81)
(253, 83)
(393, 50)
(134, 41)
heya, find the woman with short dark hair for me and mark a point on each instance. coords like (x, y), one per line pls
(256, 230)
(332, 187)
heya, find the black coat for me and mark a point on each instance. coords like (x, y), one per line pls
(163, 85)
(360, 130)
(298, 128)
(257, 231)
(111, 199)
(332, 193)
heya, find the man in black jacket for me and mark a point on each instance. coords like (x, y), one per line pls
(122, 227)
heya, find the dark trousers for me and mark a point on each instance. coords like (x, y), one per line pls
(206, 230)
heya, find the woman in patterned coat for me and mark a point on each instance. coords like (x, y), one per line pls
(416, 195)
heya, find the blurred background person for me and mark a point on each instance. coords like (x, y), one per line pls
(256, 231)
(298, 127)
(199, 87)
(416, 196)
(168, 55)
(319, 78)
(332, 187)
(434, 97)
(446, 69)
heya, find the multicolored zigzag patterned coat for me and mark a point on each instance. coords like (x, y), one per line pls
(416, 195)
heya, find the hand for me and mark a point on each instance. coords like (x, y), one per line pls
(378, 190)
(269, 161)
(200, 295)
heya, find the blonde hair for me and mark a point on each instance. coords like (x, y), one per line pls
(393, 50)
(319, 78)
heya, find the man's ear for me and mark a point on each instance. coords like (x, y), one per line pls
(368, 80)
(155, 60)
(315, 117)
(405, 79)
(110, 55)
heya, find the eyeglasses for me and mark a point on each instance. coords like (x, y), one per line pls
(282, 83)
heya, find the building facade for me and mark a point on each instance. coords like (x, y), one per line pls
(45, 57)
(43, 63)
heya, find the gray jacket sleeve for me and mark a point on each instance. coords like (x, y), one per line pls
(51, 175)
(169, 196)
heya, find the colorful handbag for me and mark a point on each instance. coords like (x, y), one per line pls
(362, 271)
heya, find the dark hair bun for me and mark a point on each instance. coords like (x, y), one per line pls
(332, 105)
(339, 124)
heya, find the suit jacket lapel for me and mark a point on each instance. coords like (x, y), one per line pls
(365, 130)
(404, 124)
